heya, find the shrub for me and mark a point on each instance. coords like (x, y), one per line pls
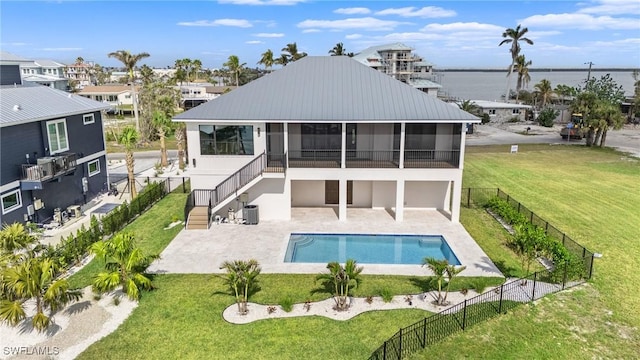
(286, 303)
(386, 295)
(514, 119)
(485, 119)
(547, 116)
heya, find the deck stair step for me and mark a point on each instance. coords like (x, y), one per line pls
(198, 218)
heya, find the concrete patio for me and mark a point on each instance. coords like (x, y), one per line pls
(202, 251)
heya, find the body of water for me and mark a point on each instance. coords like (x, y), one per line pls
(486, 85)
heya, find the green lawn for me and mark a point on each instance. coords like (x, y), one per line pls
(591, 194)
(594, 196)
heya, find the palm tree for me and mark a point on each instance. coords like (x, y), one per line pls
(292, 52)
(609, 116)
(267, 60)
(338, 50)
(35, 278)
(563, 91)
(79, 60)
(241, 278)
(125, 264)
(234, 66)
(181, 73)
(583, 104)
(129, 138)
(522, 68)
(544, 91)
(180, 140)
(283, 60)
(470, 107)
(438, 267)
(513, 36)
(196, 67)
(342, 278)
(130, 60)
(146, 73)
(15, 237)
(162, 122)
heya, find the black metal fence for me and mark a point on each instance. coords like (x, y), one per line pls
(497, 301)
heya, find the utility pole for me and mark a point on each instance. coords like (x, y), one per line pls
(589, 73)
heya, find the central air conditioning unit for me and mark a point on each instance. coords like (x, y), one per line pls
(30, 210)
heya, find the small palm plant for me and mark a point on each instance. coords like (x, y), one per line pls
(125, 264)
(444, 274)
(129, 139)
(241, 277)
(15, 237)
(342, 278)
(34, 278)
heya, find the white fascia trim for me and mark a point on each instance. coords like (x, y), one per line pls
(10, 186)
(91, 157)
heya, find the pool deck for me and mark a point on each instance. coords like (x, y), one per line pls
(202, 251)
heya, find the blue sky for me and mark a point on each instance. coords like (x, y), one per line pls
(448, 34)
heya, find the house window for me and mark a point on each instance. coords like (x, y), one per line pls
(11, 201)
(515, 111)
(491, 111)
(98, 97)
(88, 119)
(113, 98)
(93, 167)
(57, 134)
(226, 140)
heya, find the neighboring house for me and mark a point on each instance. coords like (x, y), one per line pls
(81, 73)
(117, 97)
(194, 94)
(52, 149)
(398, 61)
(45, 72)
(325, 131)
(500, 112)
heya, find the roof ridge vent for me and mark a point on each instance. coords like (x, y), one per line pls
(17, 107)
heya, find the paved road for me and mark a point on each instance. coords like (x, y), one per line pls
(627, 139)
(144, 160)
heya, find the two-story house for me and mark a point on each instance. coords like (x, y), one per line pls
(326, 131)
(52, 149)
(80, 73)
(45, 72)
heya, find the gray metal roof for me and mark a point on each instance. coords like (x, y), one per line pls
(23, 103)
(326, 89)
(7, 57)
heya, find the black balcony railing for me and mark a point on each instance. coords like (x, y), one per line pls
(276, 163)
(320, 158)
(431, 158)
(374, 159)
(50, 167)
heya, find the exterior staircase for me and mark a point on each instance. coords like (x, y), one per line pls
(202, 203)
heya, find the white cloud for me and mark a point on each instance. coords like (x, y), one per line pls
(261, 2)
(612, 7)
(353, 36)
(353, 10)
(62, 49)
(630, 44)
(366, 23)
(409, 36)
(219, 22)
(252, 42)
(425, 12)
(460, 26)
(581, 21)
(309, 31)
(269, 35)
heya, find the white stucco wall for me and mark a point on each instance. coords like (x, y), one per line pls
(383, 194)
(273, 198)
(362, 196)
(307, 193)
(426, 194)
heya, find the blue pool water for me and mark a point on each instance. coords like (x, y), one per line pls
(367, 249)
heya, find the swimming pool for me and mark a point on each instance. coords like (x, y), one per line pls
(367, 248)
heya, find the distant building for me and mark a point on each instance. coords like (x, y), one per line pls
(398, 61)
(81, 73)
(500, 112)
(45, 72)
(117, 97)
(193, 94)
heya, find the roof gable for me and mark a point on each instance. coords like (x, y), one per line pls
(326, 89)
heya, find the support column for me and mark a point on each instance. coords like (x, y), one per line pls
(285, 139)
(400, 200)
(463, 139)
(402, 144)
(342, 202)
(455, 201)
(343, 146)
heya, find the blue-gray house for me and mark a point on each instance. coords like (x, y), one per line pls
(52, 148)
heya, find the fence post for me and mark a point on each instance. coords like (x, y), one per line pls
(469, 197)
(424, 333)
(531, 217)
(519, 206)
(533, 291)
(563, 236)
(384, 351)
(464, 315)
(564, 277)
(584, 252)
(546, 228)
(591, 267)
(184, 188)
(148, 181)
(500, 304)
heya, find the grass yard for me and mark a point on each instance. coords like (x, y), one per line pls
(594, 196)
(589, 193)
(149, 232)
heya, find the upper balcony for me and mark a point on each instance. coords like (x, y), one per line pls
(374, 159)
(46, 169)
